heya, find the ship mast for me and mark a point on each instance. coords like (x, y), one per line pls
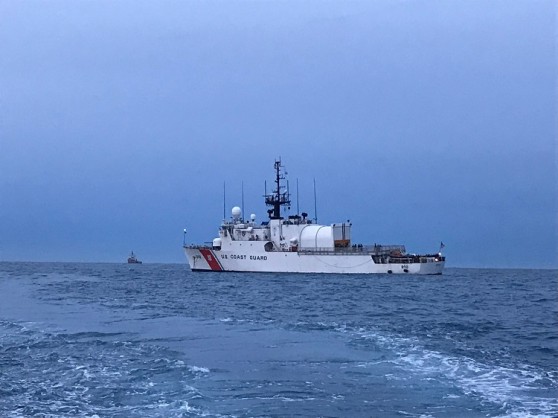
(278, 197)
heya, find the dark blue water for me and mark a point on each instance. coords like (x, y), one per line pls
(112, 340)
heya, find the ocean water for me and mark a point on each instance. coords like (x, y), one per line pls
(110, 340)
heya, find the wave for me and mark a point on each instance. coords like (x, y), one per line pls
(521, 390)
(88, 374)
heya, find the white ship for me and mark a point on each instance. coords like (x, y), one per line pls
(299, 245)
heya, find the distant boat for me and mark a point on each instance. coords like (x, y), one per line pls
(132, 259)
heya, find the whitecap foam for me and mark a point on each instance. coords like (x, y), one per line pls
(74, 374)
(516, 388)
(197, 369)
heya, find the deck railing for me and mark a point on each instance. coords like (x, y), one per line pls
(356, 250)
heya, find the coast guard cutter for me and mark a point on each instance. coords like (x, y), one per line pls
(296, 244)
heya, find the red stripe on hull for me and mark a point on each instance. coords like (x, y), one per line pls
(211, 260)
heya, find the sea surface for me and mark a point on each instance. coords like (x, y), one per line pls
(156, 340)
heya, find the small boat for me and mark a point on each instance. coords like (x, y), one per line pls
(132, 259)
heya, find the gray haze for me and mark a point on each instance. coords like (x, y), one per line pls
(421, 121)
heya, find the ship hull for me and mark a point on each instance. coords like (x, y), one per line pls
(207, 259)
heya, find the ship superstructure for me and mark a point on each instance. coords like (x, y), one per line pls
(132, 259)
(297, 244)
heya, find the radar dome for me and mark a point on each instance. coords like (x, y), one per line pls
(236, 212)
(253, 217)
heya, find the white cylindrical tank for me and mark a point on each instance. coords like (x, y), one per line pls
(316, 236)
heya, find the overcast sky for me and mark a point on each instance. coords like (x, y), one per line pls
(421, 121)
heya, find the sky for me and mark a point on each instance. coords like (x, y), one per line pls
(420, 121)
